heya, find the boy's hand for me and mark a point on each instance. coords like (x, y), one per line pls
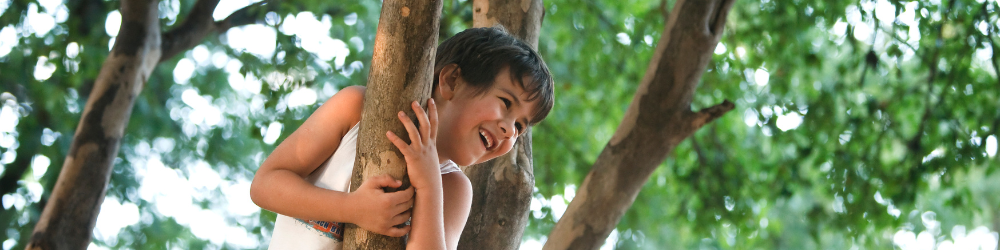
(421, 155)
(381, 212)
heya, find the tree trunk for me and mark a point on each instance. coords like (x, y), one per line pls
(658, 119)
(502, 187)
(402, 71)
(71, 213)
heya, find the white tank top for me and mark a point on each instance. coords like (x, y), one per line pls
(334, 174)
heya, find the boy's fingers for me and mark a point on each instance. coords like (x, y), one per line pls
(400, 144)
(400, 218)
(402, 199)
(398, 231)
(384, 181)
(433, 117)
(403, 196)
(422, 119)
(410, 128)
(403, 207)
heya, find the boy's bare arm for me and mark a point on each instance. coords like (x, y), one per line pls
(457, 203)
(440, 213)
(423, 168)
(280, 186)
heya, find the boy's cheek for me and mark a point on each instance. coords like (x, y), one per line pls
(507, 146)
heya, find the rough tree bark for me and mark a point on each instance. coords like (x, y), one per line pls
(402, 71)
(502, 187)
(69, 217)
(658, 119)
(70, 213)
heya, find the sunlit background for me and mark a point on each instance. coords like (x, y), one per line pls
(813, 116)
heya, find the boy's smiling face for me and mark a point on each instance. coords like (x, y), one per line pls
(475, 128)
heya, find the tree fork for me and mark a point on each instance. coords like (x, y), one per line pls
(402, 72)
(658, 119)
(501, 188)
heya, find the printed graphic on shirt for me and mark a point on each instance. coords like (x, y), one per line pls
(333, 230)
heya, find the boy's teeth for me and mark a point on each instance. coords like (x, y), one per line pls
(485, 139)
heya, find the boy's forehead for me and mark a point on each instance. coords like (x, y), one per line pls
(511, 85)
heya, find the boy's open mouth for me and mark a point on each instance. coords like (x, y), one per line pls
(487, 139)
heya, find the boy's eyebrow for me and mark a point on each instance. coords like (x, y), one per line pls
(516, 100)
(511, 93)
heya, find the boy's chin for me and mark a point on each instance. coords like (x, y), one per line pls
(484, 159)
(469, 161)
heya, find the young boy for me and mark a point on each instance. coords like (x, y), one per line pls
(488, 87)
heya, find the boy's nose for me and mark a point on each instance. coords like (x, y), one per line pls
(505, 130)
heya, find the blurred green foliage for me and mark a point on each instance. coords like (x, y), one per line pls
(897, 102)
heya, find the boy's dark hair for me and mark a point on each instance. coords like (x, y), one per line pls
(482, 52)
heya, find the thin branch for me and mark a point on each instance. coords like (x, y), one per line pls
(200, 24)
(896, 37)
(663, 10)
(996, 70)
(250, 14)
(864, 72)
(994, 59)
(699, 152)
(596, 11)
(914, 143)
(30, 132)
(718, 21)
(27, 150)
(711, 113)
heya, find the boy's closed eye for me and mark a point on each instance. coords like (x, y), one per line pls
(517, 125)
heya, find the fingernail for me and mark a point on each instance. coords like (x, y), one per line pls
(400, 113)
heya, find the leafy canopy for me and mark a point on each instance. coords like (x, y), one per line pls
(858, 123)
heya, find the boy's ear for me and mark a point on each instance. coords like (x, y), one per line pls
(448, 80)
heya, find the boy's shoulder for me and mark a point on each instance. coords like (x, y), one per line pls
(353, 92)
(344, 107)
(350, 95)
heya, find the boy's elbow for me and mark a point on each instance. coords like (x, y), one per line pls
(256, 192)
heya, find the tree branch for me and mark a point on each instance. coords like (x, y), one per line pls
(30, 145)
(70, 213)
(250, 14)
(711, 113)
(200, 24)
(596, 10)
(663, 9)
(996, 70)
(699, 152)
(914, 143)
(658, 119)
